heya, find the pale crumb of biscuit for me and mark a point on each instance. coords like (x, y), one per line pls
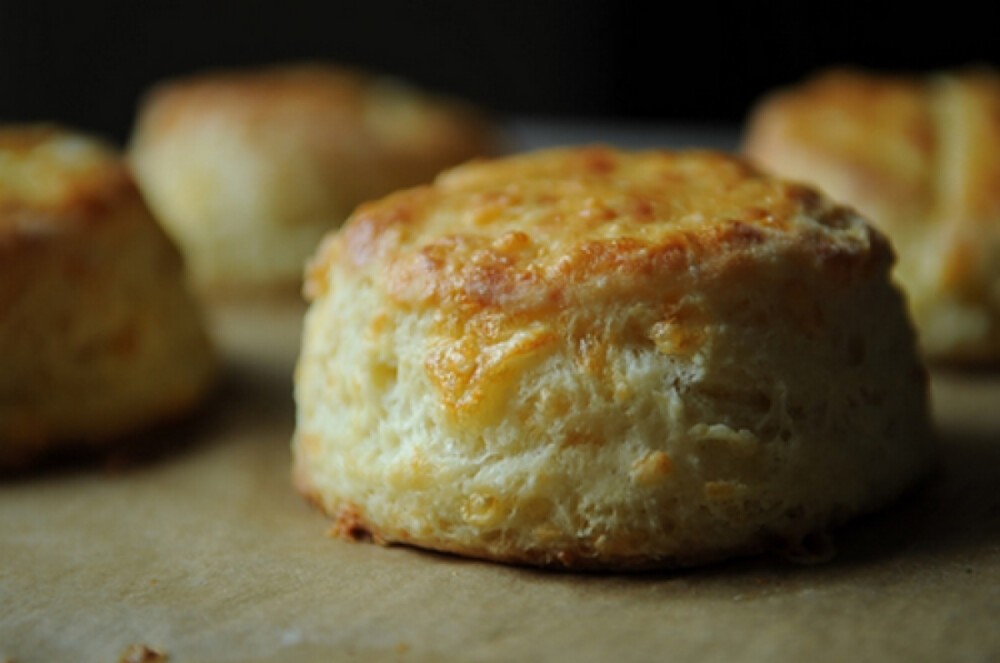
(482, 510)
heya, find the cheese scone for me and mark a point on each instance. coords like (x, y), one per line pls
(588, 358)
(99, 336)
(249, 169)
(919, 157)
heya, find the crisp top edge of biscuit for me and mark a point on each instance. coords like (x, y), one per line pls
(577, 214)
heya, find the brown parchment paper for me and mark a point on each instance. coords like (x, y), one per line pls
(203, 551)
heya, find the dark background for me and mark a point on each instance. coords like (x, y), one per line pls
(86, 64)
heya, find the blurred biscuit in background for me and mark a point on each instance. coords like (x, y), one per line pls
(248, 169)
(920, 156)
(589, 358)
(99, 334)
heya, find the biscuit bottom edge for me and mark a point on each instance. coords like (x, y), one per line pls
(805, 544)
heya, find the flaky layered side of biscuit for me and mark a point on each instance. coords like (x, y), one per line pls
(920, 157)
(99, 336)
(248, 169)
(597, 359)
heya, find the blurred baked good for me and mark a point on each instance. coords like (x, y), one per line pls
(99, 336)
(248, 169)
(920, 157)
(598, 359)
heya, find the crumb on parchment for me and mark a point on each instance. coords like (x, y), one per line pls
(142, 654)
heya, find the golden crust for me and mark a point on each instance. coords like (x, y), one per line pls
(92, 301)
(634, 221)
(633, 217)
(602, 225)
(919, 156)
(589, 358)
(280, 155)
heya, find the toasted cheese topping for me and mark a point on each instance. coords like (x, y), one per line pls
(512, 253)
(524, 232)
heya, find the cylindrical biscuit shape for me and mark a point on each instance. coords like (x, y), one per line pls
(99, 336)
(597, 359)
(247, 170)
(919, 157)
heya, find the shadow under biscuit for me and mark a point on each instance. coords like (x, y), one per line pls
(170, 438)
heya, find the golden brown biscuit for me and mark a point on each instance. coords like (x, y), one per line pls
(98, 335)
(248, 170)
(598, 359)
(920, 157)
